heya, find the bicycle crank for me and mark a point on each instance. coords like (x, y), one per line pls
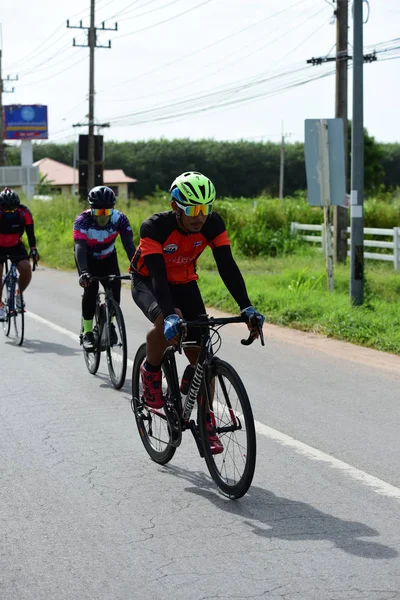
(174, 424)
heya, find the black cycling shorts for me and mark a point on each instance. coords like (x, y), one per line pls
(17, 252)
(186, 297)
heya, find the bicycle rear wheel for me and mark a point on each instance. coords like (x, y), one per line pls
(5, 298)
(92, 359)
(117, 351)
(232, 469)
(17, 317)
(151, 423)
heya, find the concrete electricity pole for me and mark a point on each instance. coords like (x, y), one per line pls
(342, 58)
(357, 162)
(92, 39)
(282, 165)
(340, 214)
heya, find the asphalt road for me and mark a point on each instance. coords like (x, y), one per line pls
(85, 514)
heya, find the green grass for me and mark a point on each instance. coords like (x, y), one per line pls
(290, 289)
(292, 292)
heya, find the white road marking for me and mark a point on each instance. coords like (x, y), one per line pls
(378, 485)
(73, 336)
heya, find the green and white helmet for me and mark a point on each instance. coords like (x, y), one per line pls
(192, 188)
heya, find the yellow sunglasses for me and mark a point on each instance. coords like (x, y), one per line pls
(193, 211)
(99, 212)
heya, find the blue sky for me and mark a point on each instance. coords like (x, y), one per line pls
(221, 69)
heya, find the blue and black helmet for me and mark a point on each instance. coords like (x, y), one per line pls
(101, 197)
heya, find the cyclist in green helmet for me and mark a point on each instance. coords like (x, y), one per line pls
(164, 278)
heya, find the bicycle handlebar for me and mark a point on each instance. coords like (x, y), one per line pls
(109, 277)
(14, 258)
(214, 321)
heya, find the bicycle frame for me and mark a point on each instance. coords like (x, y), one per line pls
(9, 281)
(104, 320)
(11, 278)
(200, 375)
(104, 334)
(224, 429)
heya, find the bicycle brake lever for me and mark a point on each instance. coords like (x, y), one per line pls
(251, 338)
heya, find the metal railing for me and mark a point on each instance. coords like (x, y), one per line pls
(393, 245)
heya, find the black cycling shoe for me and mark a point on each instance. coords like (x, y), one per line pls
(88, 341)
(113, 335)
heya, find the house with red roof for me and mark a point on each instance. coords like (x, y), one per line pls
(65, 179)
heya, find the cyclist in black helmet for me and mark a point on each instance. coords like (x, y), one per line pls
(95, 232)
(15, 218)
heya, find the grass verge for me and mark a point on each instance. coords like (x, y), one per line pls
(290, 290)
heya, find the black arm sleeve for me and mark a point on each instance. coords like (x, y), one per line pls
(156, 266)
(81, 255)
(30, 232)
(129, 246)
(231, 275)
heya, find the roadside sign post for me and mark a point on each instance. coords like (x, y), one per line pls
(325, 169)
(26, 122)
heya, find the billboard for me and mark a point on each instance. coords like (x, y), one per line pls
(25, 122)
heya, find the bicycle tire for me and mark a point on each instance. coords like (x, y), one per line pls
(231, 408)
(152, 424)
(92, 359)
(17, 318)
(6, 303)
(117, 379)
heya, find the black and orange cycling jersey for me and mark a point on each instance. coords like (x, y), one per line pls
(12, 227)
(160, 235)
(167, 256)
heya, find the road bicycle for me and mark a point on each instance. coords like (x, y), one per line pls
(221, 398)
(109, 334)
(14, 313)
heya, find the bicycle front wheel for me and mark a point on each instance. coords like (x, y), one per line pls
(17, 317)
(152, 423)
(92, 359)
(6, 303)
(230, 417)
(117, 351)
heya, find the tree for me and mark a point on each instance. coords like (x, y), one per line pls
(373, 170)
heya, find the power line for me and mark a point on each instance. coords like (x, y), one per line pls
(220, 98)
(236, 61)
(215, 43)
(166, 20)
(53, 75)
(150, 11)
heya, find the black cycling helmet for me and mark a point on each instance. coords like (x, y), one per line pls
(101, 197)
(9, 200)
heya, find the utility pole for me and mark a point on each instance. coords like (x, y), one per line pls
(3, 153)
(282, 166)
(357, 162)
(340, 213)
(92, 44)
(282, 162)
(341, 13)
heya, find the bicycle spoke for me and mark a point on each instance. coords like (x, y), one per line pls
(117, 354)
(152, 423)
(6, 303)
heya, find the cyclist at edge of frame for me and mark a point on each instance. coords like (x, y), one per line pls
(15, 218)
(164, 277)
(95, 232)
